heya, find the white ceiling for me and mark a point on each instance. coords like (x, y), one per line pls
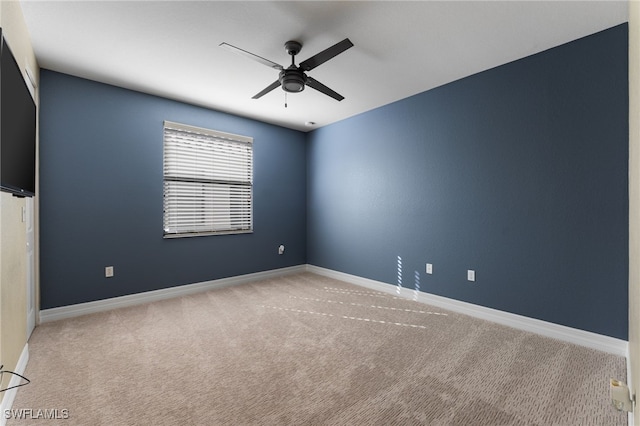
(170, 48)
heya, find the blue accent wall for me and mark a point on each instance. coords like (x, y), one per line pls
(101, 195)
(518, 172)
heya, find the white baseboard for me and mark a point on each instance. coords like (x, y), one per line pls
(10, 395)
(571, 335)
(63, 312)
(631, 414)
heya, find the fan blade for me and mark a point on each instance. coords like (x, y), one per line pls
(250, 55)
(325, 55)
(313, 83)
(267, 89)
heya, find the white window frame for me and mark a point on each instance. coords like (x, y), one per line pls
(207, 182)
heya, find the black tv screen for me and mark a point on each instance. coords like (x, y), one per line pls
(17, 128)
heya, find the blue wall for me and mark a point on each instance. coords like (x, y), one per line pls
(519, 173)
(101, 195)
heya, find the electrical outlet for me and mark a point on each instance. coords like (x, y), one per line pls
(471, 275)
(108, 271)
(429, 268)
(620, 395)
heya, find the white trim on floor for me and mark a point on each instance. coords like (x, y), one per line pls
(630, 415)
(572, 335)
(10, 395)
(63, 312)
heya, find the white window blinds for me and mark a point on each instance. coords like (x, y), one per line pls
(208, 180)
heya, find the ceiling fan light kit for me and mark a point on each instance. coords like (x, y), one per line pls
(294, 79)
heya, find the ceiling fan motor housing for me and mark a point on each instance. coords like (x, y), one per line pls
(292, 80)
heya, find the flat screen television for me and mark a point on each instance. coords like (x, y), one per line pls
(17, 128)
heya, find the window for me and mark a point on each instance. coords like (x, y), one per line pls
(208, 181)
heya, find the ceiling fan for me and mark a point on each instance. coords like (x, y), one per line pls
(293, 78)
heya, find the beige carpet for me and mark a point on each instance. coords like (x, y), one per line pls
(308, 350)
